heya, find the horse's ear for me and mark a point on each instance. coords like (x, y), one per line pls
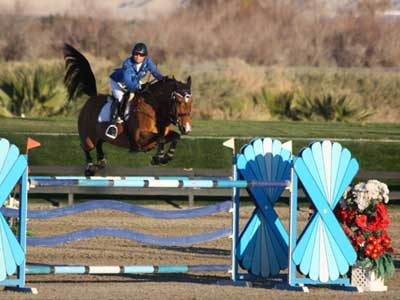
(173, 77)
(189, 81)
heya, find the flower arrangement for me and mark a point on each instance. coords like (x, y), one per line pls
(363, 215)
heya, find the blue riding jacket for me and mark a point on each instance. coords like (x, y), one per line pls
(130, 77)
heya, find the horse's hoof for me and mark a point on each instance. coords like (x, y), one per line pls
(90, 169)
(155, 160)
(164, 160)
(101, 164)
(89, 172)
(167, 158)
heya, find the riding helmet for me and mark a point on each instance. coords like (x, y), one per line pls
(140, 48)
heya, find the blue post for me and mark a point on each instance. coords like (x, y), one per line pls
(292, 226)
(23, 194)
(235, 221)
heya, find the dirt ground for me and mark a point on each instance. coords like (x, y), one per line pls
(115, 251)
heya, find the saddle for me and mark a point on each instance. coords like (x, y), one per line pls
(105, 112)
(117, 114)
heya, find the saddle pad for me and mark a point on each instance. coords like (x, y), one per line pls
(104, 115)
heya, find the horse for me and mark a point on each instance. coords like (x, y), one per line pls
(152, 112)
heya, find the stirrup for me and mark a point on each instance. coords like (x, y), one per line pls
(112, 132)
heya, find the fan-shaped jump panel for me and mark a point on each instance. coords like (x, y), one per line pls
(12, 167)
(263, 244)
(323, 251)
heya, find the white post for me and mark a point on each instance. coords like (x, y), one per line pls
(235, 209)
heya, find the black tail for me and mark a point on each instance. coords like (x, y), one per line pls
(79, 78)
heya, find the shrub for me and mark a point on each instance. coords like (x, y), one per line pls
(33, 91)
(329, 108)
(297, 107)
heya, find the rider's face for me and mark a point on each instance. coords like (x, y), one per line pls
(138, 58)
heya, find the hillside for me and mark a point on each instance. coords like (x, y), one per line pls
(134, 9)
(118, 9)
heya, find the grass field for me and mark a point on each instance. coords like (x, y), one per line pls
(376, 146)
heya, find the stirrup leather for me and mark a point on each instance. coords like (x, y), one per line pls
(112, 131)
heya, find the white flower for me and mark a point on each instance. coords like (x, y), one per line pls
(364, 194)
(362, 199)
(373, 189)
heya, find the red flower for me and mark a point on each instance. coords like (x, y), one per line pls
(386, 241)
(374, 224)
(360, 239)
(381, 209)
(361, 221)
(381, 216)
(384, 222)
(342, 214)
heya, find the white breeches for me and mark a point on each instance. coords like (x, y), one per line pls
(116, 90)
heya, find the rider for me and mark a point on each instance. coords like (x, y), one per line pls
(129, 78)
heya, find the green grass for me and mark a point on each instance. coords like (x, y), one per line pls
(226, 128)
(65, 151)
(201, 151)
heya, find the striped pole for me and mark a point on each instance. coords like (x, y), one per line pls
(65, 269)
(141, 182)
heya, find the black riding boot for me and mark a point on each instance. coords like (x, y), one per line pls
(112, 129)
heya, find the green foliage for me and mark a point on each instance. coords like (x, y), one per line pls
(329, 108)
(279, 105)
(33, 91)
(294, 106)
(383, 266)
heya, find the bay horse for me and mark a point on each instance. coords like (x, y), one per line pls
(152, 113)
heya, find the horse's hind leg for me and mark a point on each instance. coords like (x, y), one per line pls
(101, 161)
(90, 167)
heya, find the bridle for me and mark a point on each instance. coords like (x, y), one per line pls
(174, 114)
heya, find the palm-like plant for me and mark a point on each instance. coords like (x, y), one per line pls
(279, 105)
(297, 107)
(341, 108)
(33, 92)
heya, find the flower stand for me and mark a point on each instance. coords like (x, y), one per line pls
(366, 280)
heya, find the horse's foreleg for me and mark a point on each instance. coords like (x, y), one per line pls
(158, 158)
(172, 137)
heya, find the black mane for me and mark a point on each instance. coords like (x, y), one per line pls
(161, 91)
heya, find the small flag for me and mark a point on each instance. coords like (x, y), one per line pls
(31, 143)
(229, 143)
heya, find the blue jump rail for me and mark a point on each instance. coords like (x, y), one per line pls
(145, 182)
(145, 269)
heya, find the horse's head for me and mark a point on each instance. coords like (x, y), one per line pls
(182, 98)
